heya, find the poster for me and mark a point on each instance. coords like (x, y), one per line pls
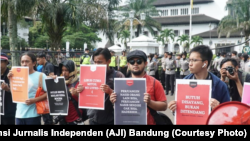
(92, 77)
(2, 94)
(246, 94)
(130, 108)
(57, 96)
(193, 101)
(19, 84)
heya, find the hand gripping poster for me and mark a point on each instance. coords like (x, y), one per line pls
(192, 101)
(57, 96)
(2, 94)
(130, 108)
(92, 77)
(246, 94)
(19, 84)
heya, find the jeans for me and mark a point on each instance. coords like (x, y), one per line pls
(28, 121)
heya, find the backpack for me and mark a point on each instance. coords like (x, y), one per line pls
(160, 118)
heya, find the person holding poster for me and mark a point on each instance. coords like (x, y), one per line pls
(199, 60)
(26, 114)
(154, 96)
(230, 69)
(75, 115)
(9, 107)
(102, 56)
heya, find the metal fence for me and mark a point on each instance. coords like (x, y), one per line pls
(51, 56)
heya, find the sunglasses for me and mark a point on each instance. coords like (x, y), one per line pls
(132, 62)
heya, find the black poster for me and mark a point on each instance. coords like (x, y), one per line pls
(57, 96)
(130, 108)
(2, 93)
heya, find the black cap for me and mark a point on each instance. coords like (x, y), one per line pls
(137, 53)
(4, 57)
(86, 49)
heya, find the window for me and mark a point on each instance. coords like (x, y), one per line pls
(195, 10)
(184, 11)
(25, 34)
(145, 33)
(174, 12)
(176, 32)
(186, 32)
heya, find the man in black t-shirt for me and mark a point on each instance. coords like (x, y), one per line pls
(48, 70)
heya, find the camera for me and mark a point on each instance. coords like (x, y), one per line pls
(60, 119)
(230, 70)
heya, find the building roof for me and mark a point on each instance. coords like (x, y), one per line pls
(158, 3)
(214, 34)
(196, 19)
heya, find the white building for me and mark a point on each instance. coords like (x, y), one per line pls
(175, 14)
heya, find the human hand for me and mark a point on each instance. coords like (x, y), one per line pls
(172, 105)
(30, 101)
(113, 98)
(214, 103)
(147, 98)
(106, 89)
(79, 88)
(10, 74)
(5, 87)
(234, 76)
(73, 91)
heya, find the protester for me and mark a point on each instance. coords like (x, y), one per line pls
(154, 96)
(48, 70)
(85, 59)
(102, 56)
(199, 60)
(230, 65)
(75, 115)
(155, 59)
(26, 114)
(151, 66)
(169, 67)
(9, 107)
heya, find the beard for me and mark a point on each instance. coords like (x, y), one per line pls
(136, 73)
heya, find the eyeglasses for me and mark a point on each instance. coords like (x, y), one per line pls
(194, 60)
(132, 62)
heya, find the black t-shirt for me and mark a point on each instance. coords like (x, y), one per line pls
(48, 68)
(9, 106)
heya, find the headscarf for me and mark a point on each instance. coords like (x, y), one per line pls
(71, 66)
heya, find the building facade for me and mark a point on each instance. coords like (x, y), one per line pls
(206, 15)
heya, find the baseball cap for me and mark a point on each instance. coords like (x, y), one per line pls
(4, 57)
(137, 53)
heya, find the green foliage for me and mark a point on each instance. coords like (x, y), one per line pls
(77, 37)
(34, 35)
(5, 43)
(40, 42)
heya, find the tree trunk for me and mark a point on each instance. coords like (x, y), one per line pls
(12, 28)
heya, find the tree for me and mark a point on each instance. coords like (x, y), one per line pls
(238, 20)
(139, 6)
(197, 40)
(12, 11)
(167, 35)
(184, 40)
(124, 35)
